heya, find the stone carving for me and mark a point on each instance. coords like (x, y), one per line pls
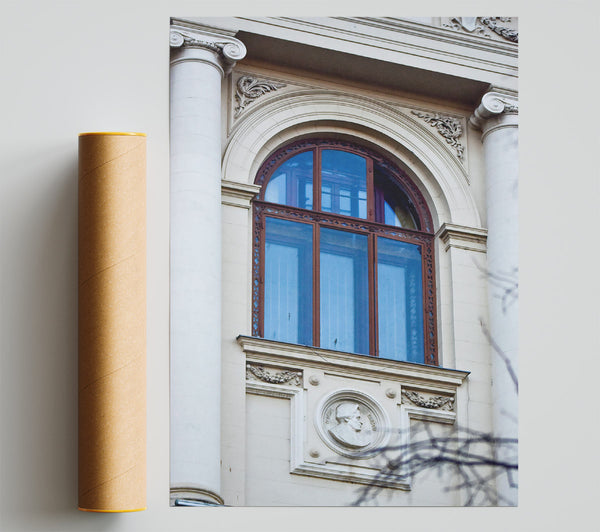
(492, 104)
(472, 25)
(509, 107)
(507, 33)
(350, 430)
(466, 23)
(352, 423)
(448, 127)
(249, 89)
(292, 378)
(391, 393)
(314, 380)
(229, 49)
(438, 402)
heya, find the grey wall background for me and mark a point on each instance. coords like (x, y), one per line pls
(69, 67)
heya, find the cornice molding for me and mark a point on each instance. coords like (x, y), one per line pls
(227, 49)
(261, 351)
(459, 236)
(443, 33)
(238, 194)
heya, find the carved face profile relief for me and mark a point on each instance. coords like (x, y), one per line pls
(350, 429)
(351, 423)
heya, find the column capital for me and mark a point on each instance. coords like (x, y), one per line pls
(497, 109)
(225, 50)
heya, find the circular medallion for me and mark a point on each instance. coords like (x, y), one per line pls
(352, 423)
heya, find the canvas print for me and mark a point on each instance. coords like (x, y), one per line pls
(344, 261)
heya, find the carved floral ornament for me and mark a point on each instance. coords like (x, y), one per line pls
(438, 402)
(249, 89)
(480, 25)
(290, 377)
(448, 127)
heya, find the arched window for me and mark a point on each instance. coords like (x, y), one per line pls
(343, 253)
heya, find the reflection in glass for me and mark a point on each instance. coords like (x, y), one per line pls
(400, 300)
(288, 281)
(344, 291)
(343, 183)
(292, 183)
(392, 206)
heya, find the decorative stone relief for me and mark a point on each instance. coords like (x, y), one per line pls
(437, 402)
(249, 89)
(229, 49)
(493, 104)
(289, 377)
(448, 127)
(391, 393)
(507, 33)
(351, 423)
(480, 25)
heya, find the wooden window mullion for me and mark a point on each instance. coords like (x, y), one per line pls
(373, 337)
(370, 191)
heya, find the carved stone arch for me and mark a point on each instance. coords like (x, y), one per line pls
(408, 143)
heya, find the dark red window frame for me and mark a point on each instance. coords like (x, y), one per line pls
(370, 227)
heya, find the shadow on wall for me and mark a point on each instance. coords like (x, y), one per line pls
(38, 378)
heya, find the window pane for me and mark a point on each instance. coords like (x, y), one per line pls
(344, 290)
(288, 281)
(344, 183)
(392, 206)
(291, 183)
(400, 300)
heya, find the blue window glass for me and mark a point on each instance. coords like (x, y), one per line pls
(344, 291)
(292, 182)
(400, 300)
(392, 206)
(288, 281)
(338, 272)
(343, 183)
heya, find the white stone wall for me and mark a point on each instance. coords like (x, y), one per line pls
(429, 136)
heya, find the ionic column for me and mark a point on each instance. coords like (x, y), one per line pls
(199, 62)
(497, 118)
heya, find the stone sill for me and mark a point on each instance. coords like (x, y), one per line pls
(279, 353)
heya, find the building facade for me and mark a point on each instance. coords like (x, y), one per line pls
(343, 260)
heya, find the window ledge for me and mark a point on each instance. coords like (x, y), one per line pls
(262, 350)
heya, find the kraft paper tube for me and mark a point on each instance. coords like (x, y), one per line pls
(112, 322)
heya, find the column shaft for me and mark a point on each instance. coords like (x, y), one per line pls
(198, 65)
(500, 141)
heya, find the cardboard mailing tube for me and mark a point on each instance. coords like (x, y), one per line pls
(112, 322)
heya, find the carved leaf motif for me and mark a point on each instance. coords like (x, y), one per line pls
(448, 127)
(250, 88)
(280, 377)
(470, 24)
(438, 402)
(507, 33)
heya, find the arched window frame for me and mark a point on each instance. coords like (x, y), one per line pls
(424, 237)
